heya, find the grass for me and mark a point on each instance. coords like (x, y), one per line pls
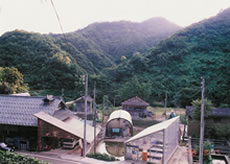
(159, 111)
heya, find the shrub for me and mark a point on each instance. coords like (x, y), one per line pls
(104, 157)
(12, 158)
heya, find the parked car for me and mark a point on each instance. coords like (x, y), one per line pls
(70, 143)
(4, 147)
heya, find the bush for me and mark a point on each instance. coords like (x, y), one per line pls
(12, 158)
(104, 157)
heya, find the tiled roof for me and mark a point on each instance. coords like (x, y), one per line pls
(135, 101)
(20, 110)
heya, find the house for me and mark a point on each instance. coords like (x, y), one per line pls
(216, 116)
(39, 123)
(18, 125)
(136, 107)
(53, 131)
(79, 107)
(119, 124)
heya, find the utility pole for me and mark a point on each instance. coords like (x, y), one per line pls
(62, 93)
(114, 100)
(95, 115)
(202, 121)
(85, 114)
(166, 97)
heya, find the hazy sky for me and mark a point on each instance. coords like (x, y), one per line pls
(39, 16)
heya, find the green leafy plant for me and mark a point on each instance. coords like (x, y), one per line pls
(104, 157)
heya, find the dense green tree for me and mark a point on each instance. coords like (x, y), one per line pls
(196, 112)
(133, 88)
(11, 81)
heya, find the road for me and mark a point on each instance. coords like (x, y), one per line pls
(53, 160)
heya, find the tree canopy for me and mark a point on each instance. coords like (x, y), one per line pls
(11, 81)
(196, 112)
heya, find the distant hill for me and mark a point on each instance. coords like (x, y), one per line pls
(124, 38)
(176, 64)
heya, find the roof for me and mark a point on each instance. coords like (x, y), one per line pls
(63, 114)
(220, 112)
(19, 110)
(83, 98)
(154, 128)
(69, 126)
(21, 94)
(216, 112)
(120, 114)
(135, 101)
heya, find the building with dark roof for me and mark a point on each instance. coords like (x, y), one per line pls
(216, 116)
(18, 125)
(135, 106)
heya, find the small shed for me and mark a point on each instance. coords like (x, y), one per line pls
(136, 107)
(119, 124)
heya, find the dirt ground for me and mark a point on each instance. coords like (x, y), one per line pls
(180, 156)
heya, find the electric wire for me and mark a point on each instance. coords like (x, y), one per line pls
(58, 18)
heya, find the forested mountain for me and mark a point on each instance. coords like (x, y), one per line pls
(176, 64)
(173, 66)
(43, 64)
(52, 62)
(124, 38)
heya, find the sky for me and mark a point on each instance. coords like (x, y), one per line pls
(39, 15)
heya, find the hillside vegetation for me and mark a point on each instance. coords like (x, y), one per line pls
(127, 59)
(176, 64)
(50, 63)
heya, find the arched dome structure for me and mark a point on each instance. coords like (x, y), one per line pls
(119, 124)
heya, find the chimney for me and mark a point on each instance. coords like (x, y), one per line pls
(48, 100)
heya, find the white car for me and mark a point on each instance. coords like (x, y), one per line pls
(4, 147)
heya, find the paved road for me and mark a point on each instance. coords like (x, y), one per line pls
(53, 160)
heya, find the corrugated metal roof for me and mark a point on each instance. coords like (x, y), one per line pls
(63, 114)
(220, 112)
(153, 129)
(72, 125)
(120, 114)
(19, 110)
(216, 112)
(135, 101)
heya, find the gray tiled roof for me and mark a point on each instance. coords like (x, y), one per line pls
(135, 101)
(20, 110)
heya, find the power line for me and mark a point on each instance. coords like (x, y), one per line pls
(58, 18)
